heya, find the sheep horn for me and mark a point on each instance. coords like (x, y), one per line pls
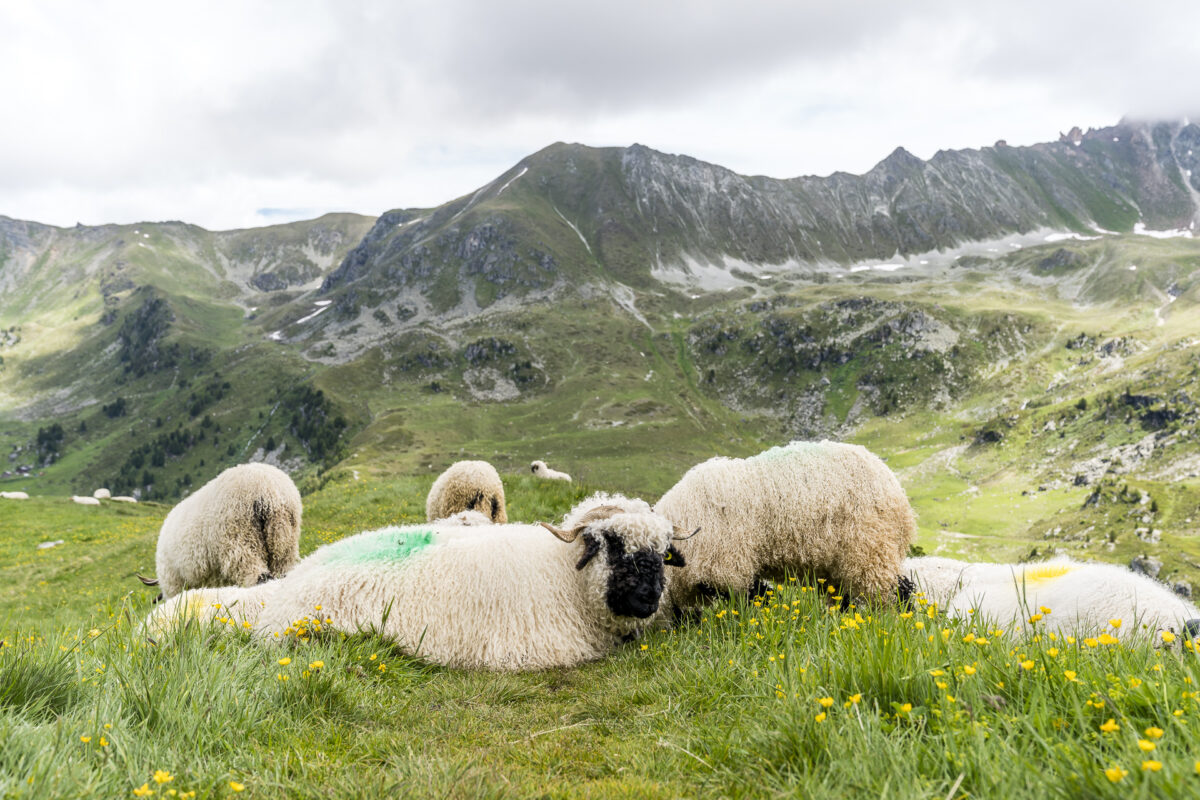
(683, 538)
(566, 536)
(147, 581)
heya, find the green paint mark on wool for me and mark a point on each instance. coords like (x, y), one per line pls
(385, 546)
(785, 451)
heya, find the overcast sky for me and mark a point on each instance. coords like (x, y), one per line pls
(235, 114)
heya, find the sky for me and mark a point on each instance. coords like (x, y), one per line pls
(238, 114)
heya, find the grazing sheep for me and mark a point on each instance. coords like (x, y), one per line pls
(14, 495)
(85, 501)
(467, 486)
(540, 470)
(1082, 598)
(124, 499)
(515, 599)
(102, 494)
(833, 510)
(242, 527)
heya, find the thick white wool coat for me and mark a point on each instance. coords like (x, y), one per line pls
(831, 509)
(85, 501)
(511, 600)
(102, 494)
(124, 499)
(467, 486)
(1082, 598)
(540, 470)
(466, 518)
(14, 495)
(629, 505)
(240, 526)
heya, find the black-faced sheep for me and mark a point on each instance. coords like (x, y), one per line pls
(515, 599)
(467, 486)
(833, 510)
(240, 528)
(540, 470)
(1063, 596)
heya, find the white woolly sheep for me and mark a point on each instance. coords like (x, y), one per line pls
(242, 527)
(515, 599)
(85, 501)
(102, 494)
(833, 510)
(466, 519)
(1081, 597)
(540, 470)
(124, 499)
(14, 495)
(467, 486)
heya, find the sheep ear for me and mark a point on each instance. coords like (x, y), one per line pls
(566, 536)
(679, 537)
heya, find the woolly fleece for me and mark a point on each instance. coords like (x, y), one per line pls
(467, 486)
(242, 525)
(831, 509)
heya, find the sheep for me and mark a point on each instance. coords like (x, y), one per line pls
(1081, 597)
(102, 494)
(465, 519)
(830, 509)
(124, 499)
(85, 501)
(467, 486)
(540, 470)
(14, 495)
(516, 599)
(242, 527)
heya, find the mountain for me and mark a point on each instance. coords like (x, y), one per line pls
(1014, 328)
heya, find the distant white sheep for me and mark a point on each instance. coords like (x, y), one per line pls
(515, 599)
(85, 501)
(242, 527)
(1082, 598)
(467, 486)
(14, 495)
(540, 470)
(102, 494)
(124, 499)
(830, 509)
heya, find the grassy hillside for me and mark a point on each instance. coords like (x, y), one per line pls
(778, 695)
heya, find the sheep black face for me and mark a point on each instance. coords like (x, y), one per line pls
(635, 580)
(629, 556)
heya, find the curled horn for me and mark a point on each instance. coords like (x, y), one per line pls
(683, 538)
(147, 581)
(566, 536)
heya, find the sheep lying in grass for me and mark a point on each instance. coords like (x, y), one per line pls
(833, 510)
(540, 470)
(102, 494)
(242, 527)
(467, 486)
(14, 495)
(516, 599)
(1081, 598)
(124, 499)
(84, 501)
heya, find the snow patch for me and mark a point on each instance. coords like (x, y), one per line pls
(321, 303)
(310, 316)
(510, 180)
(1141, 230)
(1059, 237)
(276, 336)
(572, 226)
(1133, 267)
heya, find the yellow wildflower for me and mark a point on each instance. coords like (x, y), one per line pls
(1168, 637)
(1108, 639)
(825, 702)
(1115, 774)
(103, 742)
(969, 669)
(144, 790)
(235, 786)
(1090, 642)
(820, 717)
(1027, 665)
(1151, 766)
(283, 662)
(1110, 726)
(1154, 733)
(1052, 652)
(85, 739)
(1116, 623)
(316, 665)
(854, 698)
(1043, 609)
(1146, 745)
(161, 776)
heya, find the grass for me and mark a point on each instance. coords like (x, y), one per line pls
(782, 695)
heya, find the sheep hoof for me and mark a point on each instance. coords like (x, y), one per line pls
(266, 576)
(158, 599)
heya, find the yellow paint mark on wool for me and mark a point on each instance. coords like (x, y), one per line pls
(1046, 572)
